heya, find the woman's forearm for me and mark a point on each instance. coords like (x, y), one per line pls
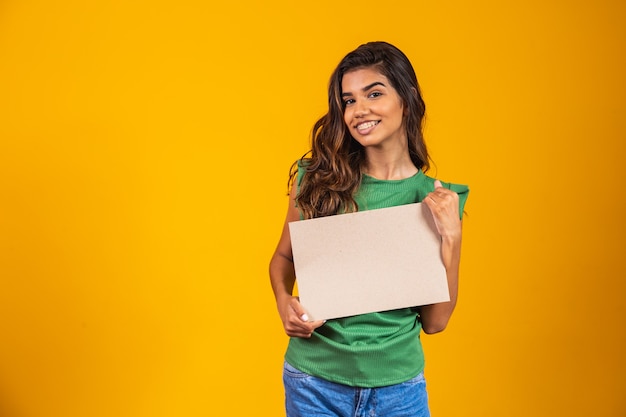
(435, 317)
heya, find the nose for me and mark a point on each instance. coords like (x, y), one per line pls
(361, 108)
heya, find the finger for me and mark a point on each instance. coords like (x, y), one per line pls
(299, 333)
(299, 310)
(443, 193)
(317, 323)
(296, 325)
(299, 330)
(299, 324)
(438, 193)
(305, 330)
(435, 197)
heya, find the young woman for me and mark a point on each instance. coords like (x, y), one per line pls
(367, 152)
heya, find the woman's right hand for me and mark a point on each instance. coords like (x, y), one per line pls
(295, 319)
(283, 277)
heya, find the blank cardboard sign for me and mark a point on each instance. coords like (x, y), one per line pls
(368, 261)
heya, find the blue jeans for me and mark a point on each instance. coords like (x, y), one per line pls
(309, 396)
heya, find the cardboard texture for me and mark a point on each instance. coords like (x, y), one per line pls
(374, 260)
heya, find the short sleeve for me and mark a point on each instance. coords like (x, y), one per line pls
(302, 164)
(302, 167)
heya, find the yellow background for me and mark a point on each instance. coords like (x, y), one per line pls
(144, 152)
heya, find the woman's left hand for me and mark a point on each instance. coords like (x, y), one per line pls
(444, 206)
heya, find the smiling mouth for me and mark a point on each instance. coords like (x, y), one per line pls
(366, 125)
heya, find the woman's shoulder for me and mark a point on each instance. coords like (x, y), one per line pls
(456, 187)
(303, 162)
(301, 166)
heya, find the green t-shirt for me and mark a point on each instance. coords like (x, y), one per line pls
(375, 349)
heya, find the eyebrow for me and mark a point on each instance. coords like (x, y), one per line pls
(367, 87)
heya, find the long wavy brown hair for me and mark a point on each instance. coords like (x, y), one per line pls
(335, 162)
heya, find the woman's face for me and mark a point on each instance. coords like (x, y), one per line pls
(374, 113)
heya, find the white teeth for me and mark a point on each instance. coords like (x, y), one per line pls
(366, 125)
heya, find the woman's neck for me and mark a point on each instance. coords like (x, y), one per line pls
(386, 165)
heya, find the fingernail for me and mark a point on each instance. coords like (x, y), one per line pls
(305, 317)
